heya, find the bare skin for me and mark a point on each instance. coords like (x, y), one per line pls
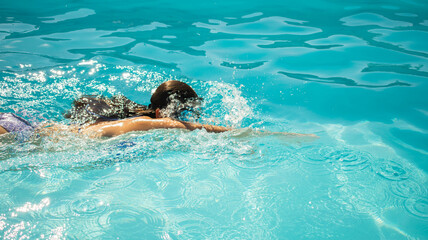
(2, 130)
(119, 127)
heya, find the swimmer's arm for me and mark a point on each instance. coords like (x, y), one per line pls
(49, 129)
(115, 128)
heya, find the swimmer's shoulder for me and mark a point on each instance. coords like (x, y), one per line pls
(118, 127)
(125, 120)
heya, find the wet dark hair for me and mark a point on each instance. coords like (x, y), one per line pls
(171, 90)
(92, 108)
(176, 100)
(173, 97)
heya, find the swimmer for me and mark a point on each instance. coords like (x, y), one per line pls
(171, 105)
(101, 117)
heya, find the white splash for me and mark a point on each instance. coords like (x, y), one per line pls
(34, 207)
(233, 104)
(87, 63)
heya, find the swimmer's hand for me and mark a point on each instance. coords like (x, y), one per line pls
(207, 127)
(287, 136)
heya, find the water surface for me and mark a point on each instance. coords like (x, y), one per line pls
(354, 73)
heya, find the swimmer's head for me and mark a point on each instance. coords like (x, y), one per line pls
(175, 99)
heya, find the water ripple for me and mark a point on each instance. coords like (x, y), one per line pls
(264, 26)
(252, 154)
(409, 69)
(345, 159)
(349, 160)
(258, 218)
(81, 13)
(234, 187)
(176, 164)
(408, 189)
(391, 170)
(17, 27)
(340, 80)
(173, 193)
(316, 155)
(122, 176)
(249, 160)
(12, 178)
(58, 210)
(357, 198)
(130, 222)
(88, 206)
(411, 40)
(197, 226)
(239, 233)
(204, 192)
(256, 158)
(364, 19)
(242, 65)
(417, 206)
(76, 40)
(113, 182)
(6, 204)
(55, 179)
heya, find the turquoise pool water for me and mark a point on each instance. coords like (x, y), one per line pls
(354, 73)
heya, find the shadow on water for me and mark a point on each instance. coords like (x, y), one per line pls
(242, 65)
(401, 69)
(340, 80)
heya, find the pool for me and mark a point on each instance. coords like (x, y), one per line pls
(354, 73)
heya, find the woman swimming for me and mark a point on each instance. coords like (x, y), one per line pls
(103, 117)
(171, 104)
